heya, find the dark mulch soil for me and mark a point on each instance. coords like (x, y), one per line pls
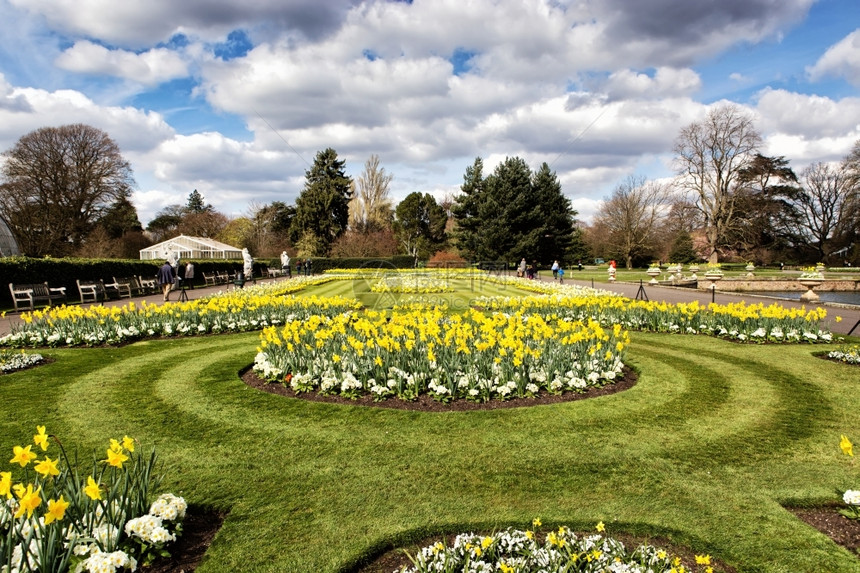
(425, 403)
(828, 520)
(198, 530)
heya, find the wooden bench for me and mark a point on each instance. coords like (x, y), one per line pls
(127, 287)
(92, 291)
(35, 293)
(149, 286)
(210, 279)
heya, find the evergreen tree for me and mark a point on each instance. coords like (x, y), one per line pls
(196, 204)
(420, 225)
(509, 215)
(119, 218)
(558, 233)
(322, 209)
(682, 249)
(465, 210)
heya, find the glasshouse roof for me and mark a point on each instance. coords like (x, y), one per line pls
(185, 247)
(8, 244)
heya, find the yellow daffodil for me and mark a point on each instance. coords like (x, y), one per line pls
(116, 458)
(128, 443)
(600, 527)
(41, 438)
(846, 445)
(29, 501)
(703, 559)
(23, 456)
(536, 522)
(48, 467)
(56, 510)
(6, 484)
(92, 489)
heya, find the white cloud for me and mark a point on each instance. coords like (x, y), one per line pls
(840, 60)
(149, 68)
(132, 129)
(666, 82)
(807, 115)
(808, 128)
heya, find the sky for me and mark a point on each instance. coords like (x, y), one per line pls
(234, 99)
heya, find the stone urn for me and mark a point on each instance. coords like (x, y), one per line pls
(694, 269)
(810, 283)
(612, 274)
(653, 272)
(713, 276)
(750, 268)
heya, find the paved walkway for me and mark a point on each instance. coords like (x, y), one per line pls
(850, 315)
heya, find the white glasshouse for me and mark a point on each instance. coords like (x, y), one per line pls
(8, 245)
(184, 247)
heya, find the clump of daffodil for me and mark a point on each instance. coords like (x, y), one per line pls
(57, 517)
(560, 549)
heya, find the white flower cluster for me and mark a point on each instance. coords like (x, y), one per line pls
(169, 507)
(100, 562)
(851, 497)
(149, 528)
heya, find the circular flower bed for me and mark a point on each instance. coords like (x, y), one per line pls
(474, 356)
(11, 361)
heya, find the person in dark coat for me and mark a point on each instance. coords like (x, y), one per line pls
(165, 279)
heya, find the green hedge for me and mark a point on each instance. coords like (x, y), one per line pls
(64, 272)
(321, 264)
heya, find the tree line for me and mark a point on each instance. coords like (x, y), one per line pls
(66, 191)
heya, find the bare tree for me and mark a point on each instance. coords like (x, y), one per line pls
(711, 155)
(58, 180)
(203, 224)
(370, 208)
(826, 207)
(632, 217)
(852, 161)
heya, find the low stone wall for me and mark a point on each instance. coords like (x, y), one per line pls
(787, 285)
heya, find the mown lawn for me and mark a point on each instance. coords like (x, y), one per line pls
(706, 449)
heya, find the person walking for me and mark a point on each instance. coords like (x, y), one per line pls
(560, 275)
(165, 279)
(189, 275)
(555, 268)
